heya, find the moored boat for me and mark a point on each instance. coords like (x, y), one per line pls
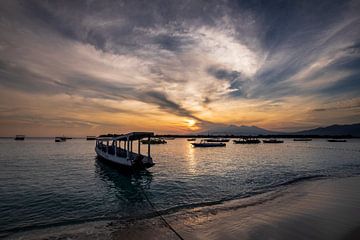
(217, 140)
(19, 137)
(119, 150)
(247, 141)
(337, 140)
(60, 139)
(204, 143)
(272, 141)
(154, 141)
(302, 139)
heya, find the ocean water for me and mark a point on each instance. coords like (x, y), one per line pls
(45, 184)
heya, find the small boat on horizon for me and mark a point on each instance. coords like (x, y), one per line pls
(217, 140)
(19, 137)
(246, 141)
(88, 138)
(337, 140)
(272, 140)
(302, 139)
(154, 141)
(60, 139)
(204, 143)
(191, 139)
(169, 138)
(119, 150)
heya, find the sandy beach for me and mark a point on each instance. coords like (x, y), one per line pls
(318, 209)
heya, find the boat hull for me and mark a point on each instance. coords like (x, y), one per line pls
(208, 144)
(271, 141)
(247, 142)
(337, 140)
(122, 162)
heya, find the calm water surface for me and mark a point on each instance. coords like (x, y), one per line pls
(44, 184)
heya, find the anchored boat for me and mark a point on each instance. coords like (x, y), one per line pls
(273, 141)
(19, 137)
(217, 140)
(154, 141)
(302, 139)
(337, 140)
(89, 138)
(60, 139)
(247, 141)
(204, 143)
(119, 150)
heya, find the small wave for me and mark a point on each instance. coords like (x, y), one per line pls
(252, 202)
(301, 179)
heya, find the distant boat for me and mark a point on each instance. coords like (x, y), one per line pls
(19, 137)
(204, 143)
(272, 141)
(110, 149)
(247, 141)
(217, 140)
(337, 140)
(154, 141)
(90, 138)
(191, 139)
(60, 139)
(169, 138)
(302, 139)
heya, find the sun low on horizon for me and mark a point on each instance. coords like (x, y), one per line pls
(93, 67)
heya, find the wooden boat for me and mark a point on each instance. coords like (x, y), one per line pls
(119, 150)
(302, 139)
(191, 139)
(337, 140)
(217, 140)
(204, 143)
(247, 141)
(272, 141)
(60, 139)
(19, 137)
(154, 141)
(89, 138)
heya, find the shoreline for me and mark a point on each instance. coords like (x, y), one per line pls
(317, 209)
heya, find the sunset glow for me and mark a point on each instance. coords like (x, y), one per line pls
(86, 69)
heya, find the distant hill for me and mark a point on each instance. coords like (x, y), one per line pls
(333, 130)
(237, 130)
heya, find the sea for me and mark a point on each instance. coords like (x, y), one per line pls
(45, 184)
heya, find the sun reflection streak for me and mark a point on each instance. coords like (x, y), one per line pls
(192, 163)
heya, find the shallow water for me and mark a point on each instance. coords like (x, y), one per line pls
(43, 183)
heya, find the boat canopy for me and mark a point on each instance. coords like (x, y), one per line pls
(128, 137)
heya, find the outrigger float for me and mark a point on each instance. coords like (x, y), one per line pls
(119, 150)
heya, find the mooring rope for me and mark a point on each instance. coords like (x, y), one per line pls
(160, 215)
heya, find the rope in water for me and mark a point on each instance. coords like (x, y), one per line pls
(159, 214)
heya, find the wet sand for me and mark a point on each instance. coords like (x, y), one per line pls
(321, 209)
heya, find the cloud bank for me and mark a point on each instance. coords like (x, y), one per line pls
(93, 66)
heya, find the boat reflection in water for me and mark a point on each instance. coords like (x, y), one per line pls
(129, 185)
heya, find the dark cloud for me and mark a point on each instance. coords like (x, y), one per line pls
(235, 79)
(160, 99)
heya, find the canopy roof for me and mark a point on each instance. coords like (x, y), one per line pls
(129, 136)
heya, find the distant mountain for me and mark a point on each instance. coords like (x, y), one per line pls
(333, 130)
(237, 130)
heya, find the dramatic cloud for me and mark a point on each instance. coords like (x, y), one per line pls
(95, 66)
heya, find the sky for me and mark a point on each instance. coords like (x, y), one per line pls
(90, 67)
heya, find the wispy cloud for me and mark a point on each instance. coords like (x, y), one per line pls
(180, 60)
